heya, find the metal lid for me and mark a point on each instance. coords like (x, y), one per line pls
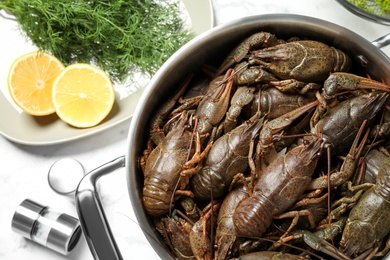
(65, 175)
(57, 231)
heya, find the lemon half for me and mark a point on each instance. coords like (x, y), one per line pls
(83, 95)
(30, 81)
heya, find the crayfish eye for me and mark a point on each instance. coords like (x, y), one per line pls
(306, 142)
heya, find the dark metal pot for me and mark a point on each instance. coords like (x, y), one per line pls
(208, 48)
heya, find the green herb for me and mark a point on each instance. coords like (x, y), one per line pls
(378, 7)
(120, 36)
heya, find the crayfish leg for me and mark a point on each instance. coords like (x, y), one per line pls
(322, 245)
(294, 86)
(192, 166)
(163, 112)
(385, 250)
(200, 242)
(317, 243)
(270, 128)
(187, 193)
(295, 217)
(310, 200)
(241, 97)
(341, 206)
(348, 167)
(338, 81)
(257, 40)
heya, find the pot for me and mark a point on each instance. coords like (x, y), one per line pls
(209, 47)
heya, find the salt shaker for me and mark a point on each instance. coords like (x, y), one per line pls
(43, 225)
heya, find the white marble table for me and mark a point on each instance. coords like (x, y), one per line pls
(23, 171)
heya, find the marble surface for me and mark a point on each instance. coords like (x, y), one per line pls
(24, 168)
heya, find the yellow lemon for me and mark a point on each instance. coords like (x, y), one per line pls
(30, 81)
(83, 95)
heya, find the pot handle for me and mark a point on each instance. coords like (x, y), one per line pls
(93, 221)
(382, 41)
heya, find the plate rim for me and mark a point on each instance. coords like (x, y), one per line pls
(201, 23)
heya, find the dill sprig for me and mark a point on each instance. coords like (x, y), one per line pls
(120, 36)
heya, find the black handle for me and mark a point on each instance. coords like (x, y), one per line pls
(93, 220)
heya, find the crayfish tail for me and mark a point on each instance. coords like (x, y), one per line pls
(253, 216)
(207, 184)
(156, 197)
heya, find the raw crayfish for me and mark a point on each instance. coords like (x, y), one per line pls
(256, 124)
(370, 216)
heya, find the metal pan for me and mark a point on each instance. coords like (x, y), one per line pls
(208, 48)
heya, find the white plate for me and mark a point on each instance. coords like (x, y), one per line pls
(19, 127)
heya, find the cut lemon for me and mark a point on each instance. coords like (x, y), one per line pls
(83, 95)
(30, 81)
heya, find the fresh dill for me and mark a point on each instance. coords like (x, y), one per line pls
(120, 36)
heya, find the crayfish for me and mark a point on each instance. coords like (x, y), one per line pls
(272, 156)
